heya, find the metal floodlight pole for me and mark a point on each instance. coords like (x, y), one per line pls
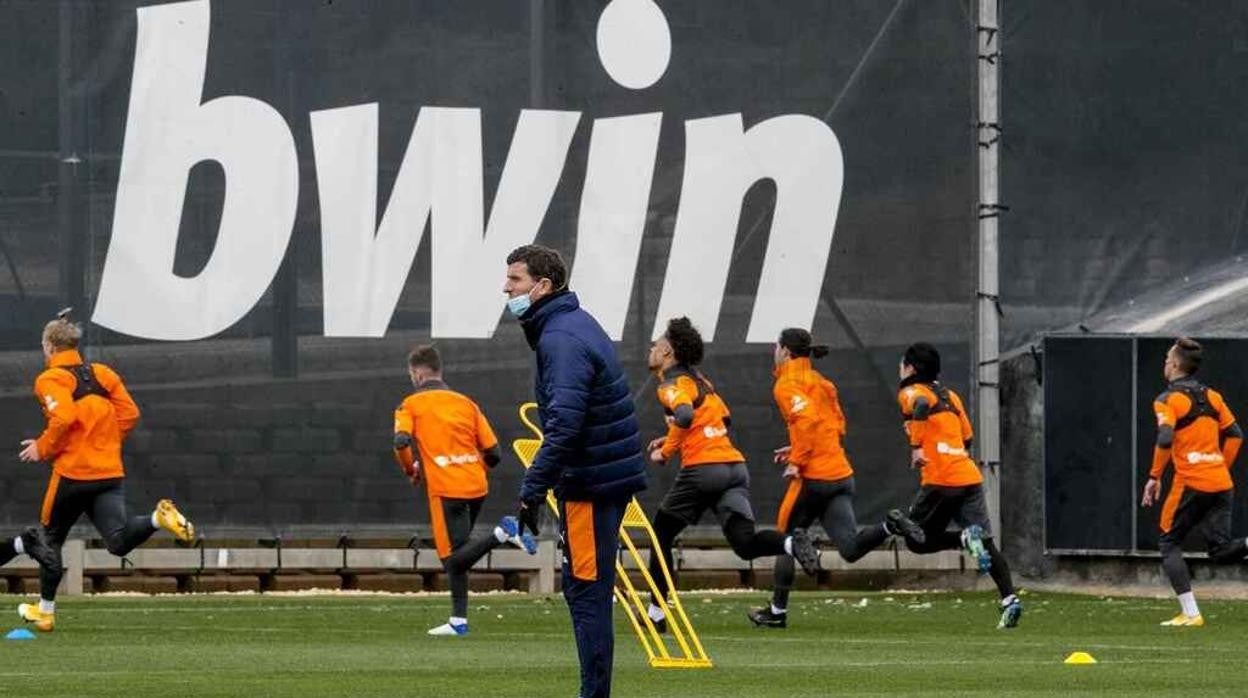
(987, 326)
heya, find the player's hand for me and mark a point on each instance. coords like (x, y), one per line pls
(791, 471)
(1152, 492)
(29, 452)
(416, 474)
(529, 515)
(657, 456)
(916, 458)
(656, 443)
(781, 455)
(402, 440)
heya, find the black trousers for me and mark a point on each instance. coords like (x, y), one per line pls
(452, 523)
(832, 504)
(104, 502)
(722, 488)
(936, 507)
(1210, 512)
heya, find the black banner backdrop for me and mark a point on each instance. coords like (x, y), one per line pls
(1122, 159)
(265, 423)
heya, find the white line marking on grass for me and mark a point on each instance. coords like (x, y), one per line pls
(1005, 641)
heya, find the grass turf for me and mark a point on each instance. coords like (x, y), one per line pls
(895, 644)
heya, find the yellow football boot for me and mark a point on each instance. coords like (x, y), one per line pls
(43, 622)
(1185, 621)
(172, 520)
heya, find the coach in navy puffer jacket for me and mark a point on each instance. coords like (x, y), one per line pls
(592, 440)
(591, 448)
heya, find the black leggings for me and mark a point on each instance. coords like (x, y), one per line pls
(936, 507)
(459, 516)
(832, 504)
(104, 502)
(747, 542)
(1210, 512)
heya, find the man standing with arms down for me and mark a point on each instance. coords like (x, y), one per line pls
(1197, 431)
(591, 447)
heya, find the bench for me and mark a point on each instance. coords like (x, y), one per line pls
(266, 563)
(348, 560)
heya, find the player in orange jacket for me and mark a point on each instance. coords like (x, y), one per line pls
(1198, 433)
(713, 474)
(951, 486)
(442, 437)
(89, 412)
(821, 480)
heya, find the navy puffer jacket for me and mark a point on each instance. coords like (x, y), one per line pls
(592, 441)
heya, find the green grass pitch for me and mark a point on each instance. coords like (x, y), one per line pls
(895, 644)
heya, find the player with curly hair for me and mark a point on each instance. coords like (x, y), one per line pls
(713, 473)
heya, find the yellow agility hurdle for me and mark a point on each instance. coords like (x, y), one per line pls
(687, 652)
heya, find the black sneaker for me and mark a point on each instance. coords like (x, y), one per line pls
(36, 546)
(764, 618)
(903, 525)
(805, 552)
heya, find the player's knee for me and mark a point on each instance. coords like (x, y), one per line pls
(1228, 552)
(917, 548)
(847, 547)
(1168, 545)
(740, 534)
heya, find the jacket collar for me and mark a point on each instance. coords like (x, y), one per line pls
(792, 367)
(916, 378)
(676, 371)
(68, 357)
(1188, 382)
(433, 384)
(535, 319)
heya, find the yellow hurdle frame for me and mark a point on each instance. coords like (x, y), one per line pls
(687, 652)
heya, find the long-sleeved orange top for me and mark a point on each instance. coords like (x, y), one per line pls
(1202, 449)
(450, 432)
(812, 412)
(706, 440)
(936, 422)
(89, 412)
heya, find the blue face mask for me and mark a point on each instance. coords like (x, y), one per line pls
(519, 305)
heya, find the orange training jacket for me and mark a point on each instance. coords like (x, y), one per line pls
(706, 440)
(450, 432)
(83, 437)
(942, 435)
(1201, 461)
(808, 402)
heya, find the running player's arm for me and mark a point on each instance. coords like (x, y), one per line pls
(487, 441)
(1167, 407)
(799, 417)
(570, 368)
(55, 390)
(404, 443)
(124, 407)
(915, 408)
(1232, 435)
(674, 396)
